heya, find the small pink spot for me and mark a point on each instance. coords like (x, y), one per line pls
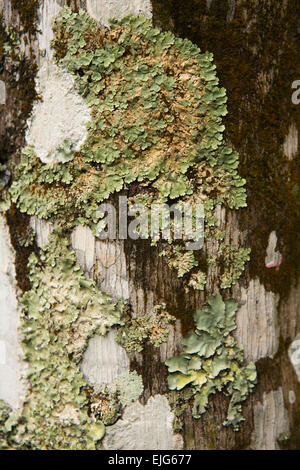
(274, 265)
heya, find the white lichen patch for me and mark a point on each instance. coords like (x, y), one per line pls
(273, 258)
(290, 146)
(2, 92)
(270, 422)
(47, 11)
(257, 326)
(104, 360)
(294, 355)
(12, 386)
(146, 427)
(103, 10)
(59, 119)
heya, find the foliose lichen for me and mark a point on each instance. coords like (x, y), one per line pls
(157, 123)
(157, 115)
(152, 327)
(62, 311)
(212, 361)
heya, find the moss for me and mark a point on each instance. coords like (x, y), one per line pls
(153, 328)
(61, 312)
(18, 72)
(28, 14)
(212, 361)
(18, 229)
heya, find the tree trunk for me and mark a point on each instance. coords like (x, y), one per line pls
(255, 45)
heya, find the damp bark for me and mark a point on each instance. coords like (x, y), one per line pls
(255, 46)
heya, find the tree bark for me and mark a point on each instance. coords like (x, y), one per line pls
(255, 45)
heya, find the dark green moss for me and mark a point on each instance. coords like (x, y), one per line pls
(18, 224)
(18, 72)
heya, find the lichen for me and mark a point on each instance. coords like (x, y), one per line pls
(104, 404)
(62, 311)
(4, 194)
(157, 115)
(5, 411)
(257, 67)
(129, 387)
(108, 401)
(152, 327)
(212, 361)
(27, 238)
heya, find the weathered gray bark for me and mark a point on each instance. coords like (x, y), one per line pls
(268, 321)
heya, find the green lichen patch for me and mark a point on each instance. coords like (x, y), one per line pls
(54, 191)
(104, 404)
(152, 327)
(108, 401)
(5, 411)
(4, 194)
(62, 311)
(157, 114)
(129, 387)
(256, 64)
(212, 361)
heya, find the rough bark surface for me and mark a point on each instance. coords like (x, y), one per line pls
(255, 46)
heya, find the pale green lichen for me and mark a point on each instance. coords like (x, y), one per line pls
(129, 387)
(26, 238)
(108, 401)
(157, 124)
(104, 404)
(4, 194)
(157, 115)
(5, 412)
(62, 311)
(212, 361)
(152, 327)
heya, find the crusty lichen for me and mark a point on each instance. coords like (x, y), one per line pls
(212, 361)
(152, 327)
(157, 115)
(61, 312)
(108, 401)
